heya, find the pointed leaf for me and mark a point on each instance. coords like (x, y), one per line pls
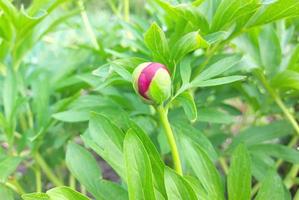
(217, 68)
(138, 168)
(187, 44)
(239, 175)
(186, 99)
(217, 81)
(177, 187)
(156, 41)
(87, 175)
(107, 140)
(65, 193)
(204, 168)
(272, 188)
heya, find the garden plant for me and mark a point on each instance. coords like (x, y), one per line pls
(149, 99)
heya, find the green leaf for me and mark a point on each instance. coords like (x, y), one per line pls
(275, 11)
(260, 134)
(155, 158)
(125, 74)
(6, 192)
(239, 175)
(277, 150)
(2, 121)
(58, 193)
(214, 115)
(36, 196)
(203, 168)
(217, 68)
(107, 140)
(197, 187)
(41, 97)
(293, 61)
(185, 71)
(186, 99)
(229, 11)
(9, 93)
(156, 41)
(177, 187)
(9, 9)
(287, 79)
(65, 193)
(8, 165)
(270, 50)
(107, 190)
(217, 81)
(272, 188)
(183, 128)
(138, 168)
(187, 44)
(89, 174)
(193, 16)
(185, 14)
(261, 165)
(216, 37)
(72, 116)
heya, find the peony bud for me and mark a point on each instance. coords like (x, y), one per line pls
(152, 82)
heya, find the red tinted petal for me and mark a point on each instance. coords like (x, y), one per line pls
(146, 77)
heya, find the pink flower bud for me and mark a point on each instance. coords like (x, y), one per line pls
(152, 82)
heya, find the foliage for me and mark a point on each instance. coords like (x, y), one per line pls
(228, 131)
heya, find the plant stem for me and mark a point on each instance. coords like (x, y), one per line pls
(292, 142)
(113, 8)
(255, 188)
(72, 182)
(170, 137)
(38, 179)
(223, 164)
(83, 189)
(295, 168)
(127, 10)
(15, 186)
(289, 179)
(280, 103)
(88, 27)
(47, 170)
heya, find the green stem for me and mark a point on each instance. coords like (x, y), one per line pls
(15, 186)
(47, 170)
(38, 179)
(127, 10)
(88, 26)
(295, 168)
(289, 179)
(171, 140)
(224, 165)
(113, 8)
(72, 182)
(255, 188)
(83, 189)
(279, 102)
(292, 142)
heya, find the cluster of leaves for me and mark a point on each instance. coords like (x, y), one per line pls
(234, 105)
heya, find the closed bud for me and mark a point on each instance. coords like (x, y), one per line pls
(152, 82)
